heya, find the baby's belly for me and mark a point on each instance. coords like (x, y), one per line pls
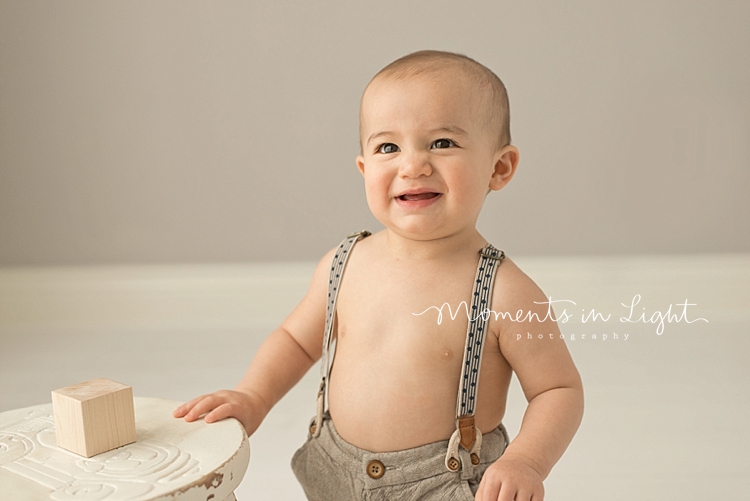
(391, 398)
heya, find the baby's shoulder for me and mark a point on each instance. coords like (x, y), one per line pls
(514, 290)
(511, 276)
(337, 257)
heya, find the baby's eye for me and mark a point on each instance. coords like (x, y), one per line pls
(443, 143)
(387, 148)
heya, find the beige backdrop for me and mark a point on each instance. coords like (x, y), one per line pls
(192, 131)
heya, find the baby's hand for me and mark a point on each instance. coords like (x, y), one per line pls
(512, 477)
(247, 408)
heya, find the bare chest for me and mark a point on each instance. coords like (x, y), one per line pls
(419, 317)
(401, 339)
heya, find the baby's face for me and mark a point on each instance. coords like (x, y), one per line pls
(428, 156)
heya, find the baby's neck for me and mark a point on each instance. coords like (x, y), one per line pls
(405, 248)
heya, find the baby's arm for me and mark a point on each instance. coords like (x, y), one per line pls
(551, 384)
(283, 358)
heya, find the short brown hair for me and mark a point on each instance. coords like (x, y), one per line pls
(435, 61)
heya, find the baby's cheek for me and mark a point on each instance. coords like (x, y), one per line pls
(376, 201)
(376, 191)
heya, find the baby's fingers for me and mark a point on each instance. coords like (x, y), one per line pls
(183, 409)
(495, 488)
(223, 411)
(518, 495)
(480, 492)
(489, 488)
(508, 493)
(504, 491)
(204, 404)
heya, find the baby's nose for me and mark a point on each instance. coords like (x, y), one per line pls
(415, 164)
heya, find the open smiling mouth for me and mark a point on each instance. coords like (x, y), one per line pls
(418, 196)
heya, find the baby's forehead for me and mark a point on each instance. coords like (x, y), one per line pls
(461, 81)
(458, 92)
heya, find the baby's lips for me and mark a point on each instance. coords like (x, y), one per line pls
(419, 196)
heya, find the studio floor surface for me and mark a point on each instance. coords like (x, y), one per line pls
(667, 410)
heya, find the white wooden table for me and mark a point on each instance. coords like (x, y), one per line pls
(171, 459)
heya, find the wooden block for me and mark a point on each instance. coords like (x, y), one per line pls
(94, 417)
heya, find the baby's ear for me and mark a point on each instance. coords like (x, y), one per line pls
(506, 162)
(361, 164)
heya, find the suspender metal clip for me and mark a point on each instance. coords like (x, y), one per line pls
(492, 253)
(360, 234)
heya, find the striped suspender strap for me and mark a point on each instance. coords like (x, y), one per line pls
(334, 280)
(466, 433)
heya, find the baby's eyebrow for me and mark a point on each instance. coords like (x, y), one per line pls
(376, 135)
(453, 129)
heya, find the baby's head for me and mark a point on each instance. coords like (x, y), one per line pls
(435, 139)
(488, 91)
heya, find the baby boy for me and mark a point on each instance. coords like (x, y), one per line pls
(403, 412)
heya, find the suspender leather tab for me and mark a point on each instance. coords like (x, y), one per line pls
(468, 431)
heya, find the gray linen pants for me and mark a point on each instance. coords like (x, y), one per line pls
(331, 469)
